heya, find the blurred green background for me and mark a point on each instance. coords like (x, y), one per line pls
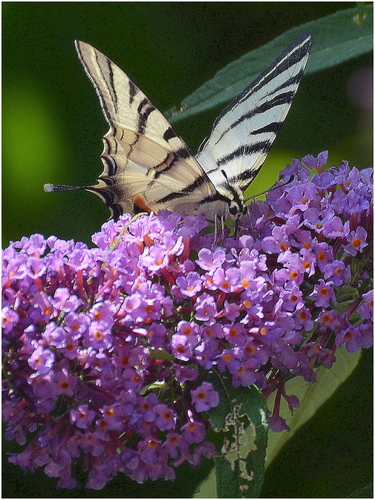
(52, 122)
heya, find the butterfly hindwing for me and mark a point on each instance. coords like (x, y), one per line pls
(244, 132)
(147, 166)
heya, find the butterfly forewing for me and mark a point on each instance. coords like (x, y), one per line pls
(147, 166)
(244, 132)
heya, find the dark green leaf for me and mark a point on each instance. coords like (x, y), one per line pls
(365, 492)
(311, 397)
(241, 423)
(331, 455)
(337, 38)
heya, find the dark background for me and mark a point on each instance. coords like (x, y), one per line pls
(52, 129)
(52, 122)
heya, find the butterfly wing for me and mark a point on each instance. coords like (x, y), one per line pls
(244, 132)
(147, 166)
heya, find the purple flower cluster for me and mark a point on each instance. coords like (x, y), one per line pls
(105, 349)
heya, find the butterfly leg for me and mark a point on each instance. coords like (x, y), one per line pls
(236, 227)
(222, 228)
(215, 228)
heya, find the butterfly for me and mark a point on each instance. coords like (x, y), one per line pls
(148, 167)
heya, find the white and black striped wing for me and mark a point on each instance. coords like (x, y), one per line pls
(147, 166)
(244, 132)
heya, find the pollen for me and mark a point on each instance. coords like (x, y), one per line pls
(69, 346)
(125, 361)
(98, 335)
(250, 349)
(103, 425)
(326, 318)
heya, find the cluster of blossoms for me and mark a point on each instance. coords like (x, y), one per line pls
(105, 349)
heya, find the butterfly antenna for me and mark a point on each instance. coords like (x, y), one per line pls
(49, 188)
(275, 186)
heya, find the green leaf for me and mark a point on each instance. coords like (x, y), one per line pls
(240, 422)
(311, 397)
(365, 492)
(337, 38)
(331, 455)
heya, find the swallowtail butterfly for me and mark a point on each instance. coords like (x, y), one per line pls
(148, 167)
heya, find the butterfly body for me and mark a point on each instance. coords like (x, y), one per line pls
(148, 167)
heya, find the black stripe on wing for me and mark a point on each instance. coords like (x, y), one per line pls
(245, 150)
(292, 56)
(289, 60)
(278, 100)
(169, 134)
(98, 58)
(145, 108)
(271, 127)
(109, 81)
(170, 160)
(199, 181)
(301, 46)
(133, 91)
